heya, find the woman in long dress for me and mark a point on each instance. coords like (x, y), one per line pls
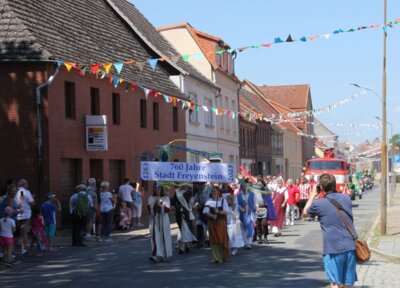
(184, 202)
(279, 200)
(216, 209)
(234, 225)
(160, 230)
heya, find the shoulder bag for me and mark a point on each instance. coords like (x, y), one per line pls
(362, 250)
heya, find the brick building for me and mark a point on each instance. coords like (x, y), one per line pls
(33, 34)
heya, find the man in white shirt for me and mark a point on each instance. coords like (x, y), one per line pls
(125, 194)
(25, 202)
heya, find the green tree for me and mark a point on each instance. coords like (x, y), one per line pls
(396, 140)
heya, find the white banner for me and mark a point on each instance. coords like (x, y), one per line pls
(188, 172)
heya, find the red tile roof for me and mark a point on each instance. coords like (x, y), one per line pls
(294, 97)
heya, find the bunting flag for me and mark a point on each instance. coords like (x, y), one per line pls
(118, 66)
(116, 81)
(140, 65)
(107, 67)
(153, 63)
(69, 65)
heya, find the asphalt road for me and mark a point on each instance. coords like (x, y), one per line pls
(292, 260)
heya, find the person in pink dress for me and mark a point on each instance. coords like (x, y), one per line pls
(125, 221)
(279, 200)
(37, 230)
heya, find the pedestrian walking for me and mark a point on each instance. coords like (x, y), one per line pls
(49, 210)
(160, 230)
(292, 195)
(234, 225)
(279, 200)
(339, 255)
(247, 208)
(216, 210)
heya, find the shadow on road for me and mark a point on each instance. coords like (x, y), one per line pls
(126, 265)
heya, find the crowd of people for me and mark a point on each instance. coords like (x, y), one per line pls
(224, 217)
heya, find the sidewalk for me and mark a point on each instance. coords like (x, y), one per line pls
(388, 246)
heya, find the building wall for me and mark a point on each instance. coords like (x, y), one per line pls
(201, 126)
(228, 128)
(292, 154)
(18, 144)
(248, 144)
(183, 42)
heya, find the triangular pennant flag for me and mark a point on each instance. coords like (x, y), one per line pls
(396, 21)
(243, 48)
(133, 86)
(230, 51)
(289, 38)
(175, 59)
(59, 63)
(166, 98)
(118, 66)
(278, 40)
(121, 80)
(140, 65)
(103, 74)
(267, 45)
(350, 30)
(326, 36)
(83, 70)
(313, 37)
(174, 99)
(68, 65)
(375, 26)
(338, 31)
(78, 69)
(107, 67)
(256, 46)
(162, 59)
(362, 27)
(110, 78)
(94, 68)
(146, 92)
(304, 39)
(205, 108)
(153, 63)
(219, 52)
(186, 58)
(129, 62)
(385, 28)
(198, 56)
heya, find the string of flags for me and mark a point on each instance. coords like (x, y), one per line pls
(116, 80)
(153, 62)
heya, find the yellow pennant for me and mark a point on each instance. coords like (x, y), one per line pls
(107, 67)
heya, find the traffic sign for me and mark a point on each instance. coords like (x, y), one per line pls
(396, 159)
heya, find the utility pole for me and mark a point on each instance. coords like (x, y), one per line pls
(384, 144)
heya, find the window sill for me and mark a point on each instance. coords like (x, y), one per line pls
(197, 123)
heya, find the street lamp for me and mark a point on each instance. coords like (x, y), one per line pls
(384, 150)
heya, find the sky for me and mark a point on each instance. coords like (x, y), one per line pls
(329, 66)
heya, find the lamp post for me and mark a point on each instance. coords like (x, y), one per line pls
(384, 150)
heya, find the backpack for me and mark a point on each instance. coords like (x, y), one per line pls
(82, 205)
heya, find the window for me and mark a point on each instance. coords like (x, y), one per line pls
(156, 117)
(95, 101)
(69, 100)
(116, 109)
(175, 123)
(143, 113)
(208, 115)
(193, 114)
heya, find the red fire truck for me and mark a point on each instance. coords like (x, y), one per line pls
(329, 164)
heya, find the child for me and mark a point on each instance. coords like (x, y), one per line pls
(38, 235)
(125, 217)
(7, 228)
(137, 203)
(233, 223)
(49, 209)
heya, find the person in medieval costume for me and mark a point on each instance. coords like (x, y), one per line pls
(216, 209)
(279, 200)
(246, 201)
(202, 193)
(159, 225)
(184, 202)
(234, 225)
(264, 211)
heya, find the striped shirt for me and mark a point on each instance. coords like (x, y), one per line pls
(305, 189)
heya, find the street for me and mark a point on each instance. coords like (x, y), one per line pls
(294, 259)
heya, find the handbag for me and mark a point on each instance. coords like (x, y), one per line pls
(363, 253)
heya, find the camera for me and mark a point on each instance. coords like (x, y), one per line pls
(319, 188)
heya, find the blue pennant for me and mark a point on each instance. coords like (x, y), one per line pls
(116, 81)
(278, 40)
(304, 39)
(153, 63)
(118, 66)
